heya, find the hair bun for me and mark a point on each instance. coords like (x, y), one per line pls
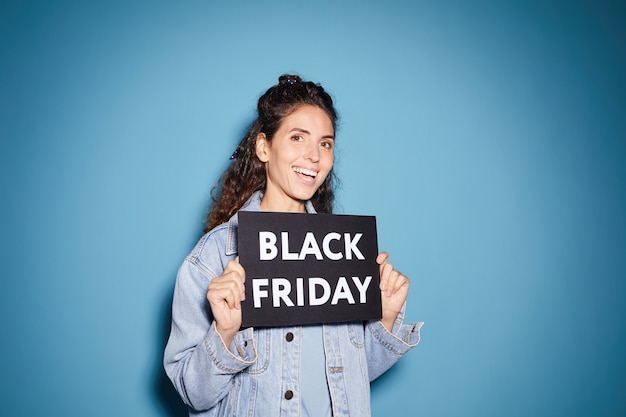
(288, 79)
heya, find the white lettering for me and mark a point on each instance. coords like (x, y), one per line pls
(362, 287)
(268, 249)
(267, 246)
(257, 292)
(313, 300)
(335, 256)
(309, 247)
(342, 292)
(281, 288)
(287, 256)
(319, 291)
(351, 246)
(300, 291)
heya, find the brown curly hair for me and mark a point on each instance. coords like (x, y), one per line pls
(246, 174)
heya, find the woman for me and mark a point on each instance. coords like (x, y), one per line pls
(284, 164)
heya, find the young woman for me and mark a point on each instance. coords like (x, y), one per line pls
(283, 164)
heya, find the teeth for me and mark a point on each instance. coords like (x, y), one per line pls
(305, 172)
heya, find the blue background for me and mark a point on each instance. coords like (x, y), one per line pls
(488, 137)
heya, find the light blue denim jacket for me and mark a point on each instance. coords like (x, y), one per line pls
(252, 376)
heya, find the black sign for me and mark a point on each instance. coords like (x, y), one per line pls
(308, 268)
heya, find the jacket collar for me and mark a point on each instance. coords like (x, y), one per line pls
(253, 204)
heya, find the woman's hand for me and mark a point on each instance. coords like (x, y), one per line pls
(225, 294)
(394, 289)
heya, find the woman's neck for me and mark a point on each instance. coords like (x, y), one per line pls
(284, 206)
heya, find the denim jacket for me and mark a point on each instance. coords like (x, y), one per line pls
(258, 374)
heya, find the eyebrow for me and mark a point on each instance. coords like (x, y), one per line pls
(298, 129)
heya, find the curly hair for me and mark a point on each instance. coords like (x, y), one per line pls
(246, 174)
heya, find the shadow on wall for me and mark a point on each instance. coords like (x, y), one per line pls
(165, 395)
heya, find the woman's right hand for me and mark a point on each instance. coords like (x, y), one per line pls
(225, 294)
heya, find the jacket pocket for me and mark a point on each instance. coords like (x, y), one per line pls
(356, 331)
(228, 406)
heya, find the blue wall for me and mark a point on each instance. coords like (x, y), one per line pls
(488, 138)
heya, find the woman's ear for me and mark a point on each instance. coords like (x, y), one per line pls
(262, 147)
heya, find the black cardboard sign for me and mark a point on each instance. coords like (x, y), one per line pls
(308, 268)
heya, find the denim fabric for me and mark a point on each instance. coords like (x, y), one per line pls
(259, 373)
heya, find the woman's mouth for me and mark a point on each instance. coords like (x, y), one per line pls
(305, 171)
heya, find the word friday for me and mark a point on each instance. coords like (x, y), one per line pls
(281, 291)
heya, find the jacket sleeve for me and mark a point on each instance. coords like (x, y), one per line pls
(383, 348)
(196, 359)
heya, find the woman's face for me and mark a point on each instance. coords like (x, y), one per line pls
(297, 160)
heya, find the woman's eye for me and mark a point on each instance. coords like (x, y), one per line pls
(297, 138)
(327, 145)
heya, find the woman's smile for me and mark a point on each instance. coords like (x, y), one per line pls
(306, 175)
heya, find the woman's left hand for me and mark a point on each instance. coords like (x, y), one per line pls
(394, 288)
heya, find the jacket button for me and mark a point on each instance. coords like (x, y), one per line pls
(289, 394)
(289, 337)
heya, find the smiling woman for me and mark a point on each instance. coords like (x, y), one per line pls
(292, 101)
(283, 164)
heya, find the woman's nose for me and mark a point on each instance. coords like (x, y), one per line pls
(312, 152)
